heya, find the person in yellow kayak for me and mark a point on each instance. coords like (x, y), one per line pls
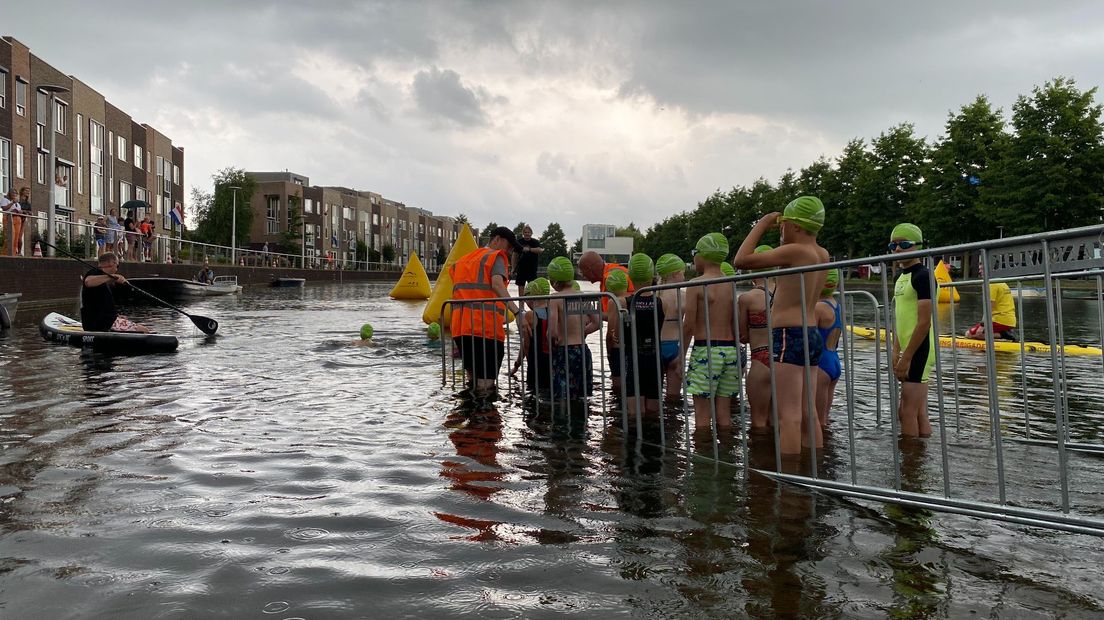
(1004, 313)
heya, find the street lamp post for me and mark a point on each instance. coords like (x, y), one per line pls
(51, 211)
(234, 228)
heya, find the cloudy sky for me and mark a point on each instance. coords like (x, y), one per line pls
(548, 111)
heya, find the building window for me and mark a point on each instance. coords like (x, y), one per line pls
(272, 214)
(20, 97)
(138, 156)
(120, 148)
(95, 166)
(62, 175)
(41, 110)
(60, 112)
(3, 89)
(176, 174)
(80, 154)
(41, 168)
(375, 219)
(19, 171)
(140, 193)
(124, 192)
(347, 213)
(5, 166)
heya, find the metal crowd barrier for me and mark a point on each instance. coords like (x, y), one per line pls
(1055, 256)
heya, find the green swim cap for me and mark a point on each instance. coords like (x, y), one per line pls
(910, 232)
(668, 264)
(805, 211)
(759, 249)
(831, 283)
(540, 286)
(713, 247)
(560, 269)
(617, 281)
(641, 270)
(727, 269)
(433, 331)
(366, 331)
(575, 285)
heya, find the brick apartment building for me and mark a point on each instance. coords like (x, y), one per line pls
(336, 218)
(104, 157)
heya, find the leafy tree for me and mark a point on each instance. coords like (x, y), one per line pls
(517, 229)
(577, 247)
(293, 236)
(388, 253)
(441, 256)
(964, 163)
(485, 235)
(361, 251)
(554, 243)
(632, 231)
(214, 217)
(898, 161)
(1052, 177)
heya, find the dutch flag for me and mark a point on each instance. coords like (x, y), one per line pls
(177, 213)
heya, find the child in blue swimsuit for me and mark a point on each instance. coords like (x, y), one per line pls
(830, 326)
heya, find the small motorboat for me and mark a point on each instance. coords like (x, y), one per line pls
(223, 285)
(1029, 292)
(58, 328)
(165, 288)
(289, 282)
(9, 303)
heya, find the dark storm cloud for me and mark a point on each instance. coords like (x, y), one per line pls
(441, 94)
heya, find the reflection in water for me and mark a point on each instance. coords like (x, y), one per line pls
(275, 470)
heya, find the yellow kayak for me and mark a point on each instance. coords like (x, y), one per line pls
(1007, 346)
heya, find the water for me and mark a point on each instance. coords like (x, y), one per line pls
(276, 472)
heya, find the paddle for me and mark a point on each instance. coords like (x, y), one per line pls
(205, 325)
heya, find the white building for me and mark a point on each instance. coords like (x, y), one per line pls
(603, 239)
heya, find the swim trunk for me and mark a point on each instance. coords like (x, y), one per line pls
(790, 344)
(714, 369)
(647, 366)
(613, 356)
(123, 324)
(921, 365)
(482, 356)
(830, 364)
(761, 355)
(572, 371)
(668, 351)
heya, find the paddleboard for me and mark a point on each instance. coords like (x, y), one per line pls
(1006, 346)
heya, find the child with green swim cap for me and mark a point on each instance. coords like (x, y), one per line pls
(569, 322)
(713, 374)
(671, 269)
(534, 340)
(752, 307)
(914, 344)
(793, 325)
(639, 339)
(366, 332)
(830, 325)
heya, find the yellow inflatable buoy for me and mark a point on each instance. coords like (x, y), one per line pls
(442, 289)
(414, 283)
(943, 276)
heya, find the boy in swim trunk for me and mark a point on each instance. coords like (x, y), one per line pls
(569, 323)
(671, 269)
(830, 325)
(914, 347)
(534, 341)
(795, 337)
(713, 376)
(752, 307)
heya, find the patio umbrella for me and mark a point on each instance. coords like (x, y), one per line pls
(134, 205)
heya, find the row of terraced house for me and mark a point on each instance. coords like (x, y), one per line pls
(100, 158)
(336, 219)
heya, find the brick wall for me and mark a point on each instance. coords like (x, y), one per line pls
(53, 279)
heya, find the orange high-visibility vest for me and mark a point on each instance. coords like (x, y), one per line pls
(610, 267)
(471, 279)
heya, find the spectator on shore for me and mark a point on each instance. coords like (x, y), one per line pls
(527, 259)
(13, 220)
(114, 230)
(99, 233)
(146, 230)
(130, 227)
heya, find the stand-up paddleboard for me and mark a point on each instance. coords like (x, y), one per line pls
(1007, 346)
(947, 294)
(60, 328)
(414, 283)
(442, 289)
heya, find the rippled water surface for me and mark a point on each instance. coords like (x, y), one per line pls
(277, 472)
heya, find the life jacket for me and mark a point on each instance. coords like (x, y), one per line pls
(605, 274)
(471, 279)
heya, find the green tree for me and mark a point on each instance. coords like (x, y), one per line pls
(517, 229)
(632, 231)
(388, 253)
(1052, 175)
(292, 237)
(361, 251)
(577, 247)
(441, 255)
(965, 162)
(214, 217)
(668, 236)
(898, 161)
(485, 235)
(842, 209)
(554, 243)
